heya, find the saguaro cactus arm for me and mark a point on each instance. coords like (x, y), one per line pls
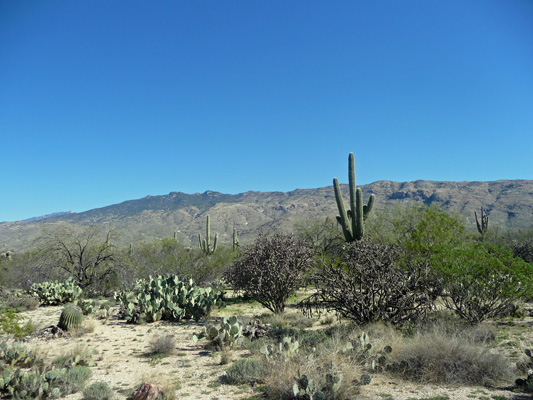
(342, 219)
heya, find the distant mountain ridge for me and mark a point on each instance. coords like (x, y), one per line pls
(46, 216)
(509, 204)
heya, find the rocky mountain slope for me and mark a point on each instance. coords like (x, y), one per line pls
(509, 204)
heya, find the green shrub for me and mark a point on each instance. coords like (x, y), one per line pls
(74, 379)
(482, 281)
(270, 270)
(98, 391)
(10, 324)
(79, 355)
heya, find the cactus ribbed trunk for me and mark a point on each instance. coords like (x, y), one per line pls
(352, 221)
(205, 244)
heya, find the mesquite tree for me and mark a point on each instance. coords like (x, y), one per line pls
(87, 254)
(270, 270)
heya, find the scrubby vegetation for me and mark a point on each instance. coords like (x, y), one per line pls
(415, 297)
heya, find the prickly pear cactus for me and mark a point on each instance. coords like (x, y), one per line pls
(70, 319)
(55, 293)
(167, 298)
(17, 354)
(283, 350)
(227, 335)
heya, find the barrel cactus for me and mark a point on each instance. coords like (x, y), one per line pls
(70, 319)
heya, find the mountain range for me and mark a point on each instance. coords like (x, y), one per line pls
(509, 204)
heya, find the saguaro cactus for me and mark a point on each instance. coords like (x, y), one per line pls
(482, 225)
(352, 221)
(235, 240)
(205, 244)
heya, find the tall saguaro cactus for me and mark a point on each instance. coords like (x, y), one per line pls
(352, 221)
(482, 225)
(205, 244)
(235, 240)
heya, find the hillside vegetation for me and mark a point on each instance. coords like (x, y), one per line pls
(508, 202)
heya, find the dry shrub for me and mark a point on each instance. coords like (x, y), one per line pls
(247, 370)
(322, 355)
(162, 344)
(365, 283)
(166, 382)
(22, 303)
(270, 270)
(282, 375)
(450, 358)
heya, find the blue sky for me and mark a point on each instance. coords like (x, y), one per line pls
(105, 101)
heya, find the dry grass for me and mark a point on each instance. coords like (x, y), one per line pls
(451, 358)
(165, 344)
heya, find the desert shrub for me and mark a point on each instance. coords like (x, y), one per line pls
(74, 379)
(449, 323)
(98, 391)
(439, 357)
(319, 234)
(306, 338)
(482, 281)
(333, 374)
(169, 256)
(521, 243)
(79, 355)
(417, 230)
(270, 270)
(22, 303)
(293, 320)
(10, 324)
(364, 283)
(248, 370)
(162, 344)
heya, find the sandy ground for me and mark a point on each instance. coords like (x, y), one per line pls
(122, 360)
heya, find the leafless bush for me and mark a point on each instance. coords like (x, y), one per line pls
(364, 283)
(270, 270)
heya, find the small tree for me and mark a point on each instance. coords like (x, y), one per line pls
(86, 254)
(270, 270)
(482, 281)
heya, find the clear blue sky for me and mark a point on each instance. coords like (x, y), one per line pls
(103, 101)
